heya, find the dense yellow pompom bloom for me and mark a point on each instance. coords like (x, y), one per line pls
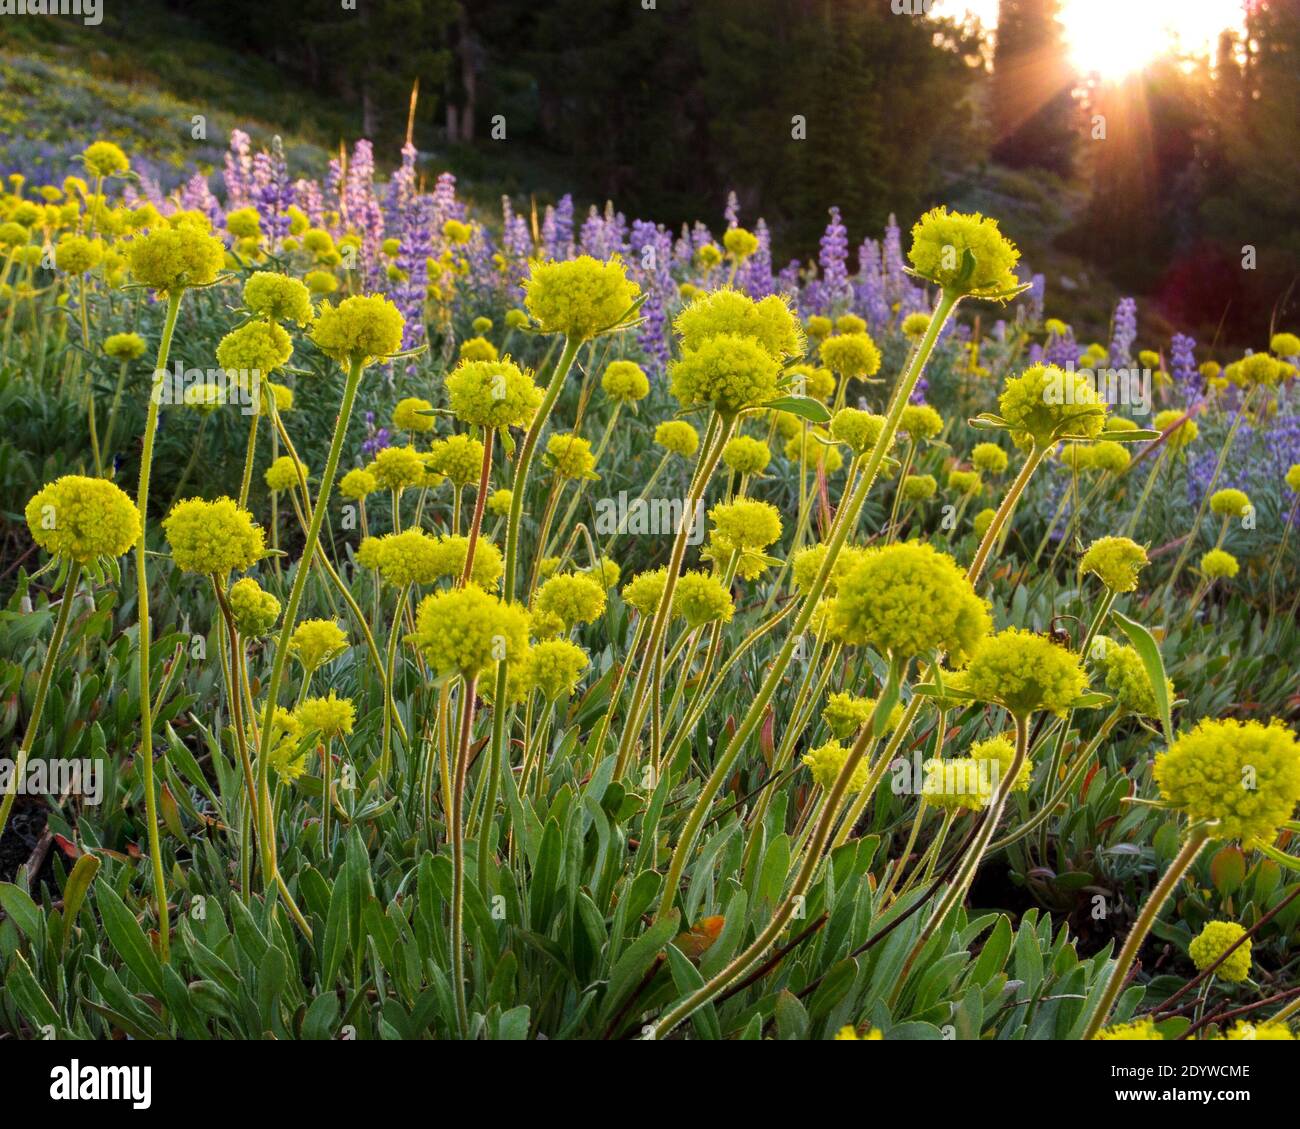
(1044, 403)
(740, 243)
(103, 158)
(769, 322)
(1230, 503)
(746, 455)
(357, 483)
(315, 642)
(213, 536)
(907, 600)
(1213, 941)
(845, 714)
(940, 242)
(579, 297)
(172, 258)
(1115, 561)
(498, 502)
(1245, 1029)
(1109, 455)
(287, 757)
(625, 381)
(965, 482)
(488, 562)
(819, 327)
(493, 394)
(677, 436)
(850, 323)
(856, 429)
(956, 784)
(1256, 369)
(359, 329)
(850, 1034)
(1292, 479)
(1182, 435)
(988, 457)
(321, 282)
(75, 254)
(1219, 564)
(283, 473)
(851, 355)
(459, 457)
(124, 346)
(826, 762)
(701, 597)
(574, 598)
(554, 667)
(410, 557)
(1143, 1029)
(1024, 673)
(728, 371)
(606, 572)
(330, 716)
(807, 563)
(205, 397)
(708, 256)
(744, 524)
(994, 756)
(915, 325)
(409, 415)
(457, 232)
(397, 468)
(280, 398)
(1126, 677)
(478, 349)
(13, 234)
(570, 456)
(1285, 344)
(279, 297)
(645, 590)
(370, 552)
(809, 380)
(981, 522)
(464, 630)
(81, 518)
(920, 421)
(244, 223)
(919, 487)
(1244, 774)
(253, 608)
(256, 346)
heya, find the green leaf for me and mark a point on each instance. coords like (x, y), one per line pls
(33, 1004)
(634, 963)
(803, 406)
(1145, 645)
(128, 940)
(74, 891)
(321, 1017)
(22, 911)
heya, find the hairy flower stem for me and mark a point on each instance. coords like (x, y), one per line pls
(1196, 839)
(142, 596)
(961, 881)
(1017, 488)
(845, 521)
(715, 439)
(42, 690)
(457, 835)
(266, 839)
(390, 707)
(476, 522)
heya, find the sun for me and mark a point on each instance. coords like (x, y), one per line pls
(1113, 39)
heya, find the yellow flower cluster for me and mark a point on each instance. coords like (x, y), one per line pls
(81, 518)
(464, 630)
(493, 394)
(1024, 673)
(213, 537)
(1215, 940)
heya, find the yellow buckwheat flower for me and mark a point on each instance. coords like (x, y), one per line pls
(1184, 434)
(124, 346)
(575, 599)
(625, 381)
(746, 455)
(279, 297)
(330, 716)
(253, 609)
(1245, 1029)
(1115, 561)
(359, 329)
(315, 642)
(728, 371)
(398, 468)
(678, 436)
(210, 537)
(1024, 673)
(1244, 774)
(103, 158)
(173, 258)
(464, 630)
(1139, 1030)
(919, 487)
(409, 415)
(851, 355)
(644, 591)
(826, 762)
(768, 322)
(357, 483)
(493, 394)
(459, 457)
(82, 518)
(988, 457)
(1215, 940)
(283, 473)
(856, 429)
(965, 254)
(256, 346)
(1218, 564)
(554, 667)
(579, 297)
(75, 254)
(920, 421)
(740, 243)
(701, 597)
(1127, 678)
(907, 600)
(1045, 403)
(1230, 503)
